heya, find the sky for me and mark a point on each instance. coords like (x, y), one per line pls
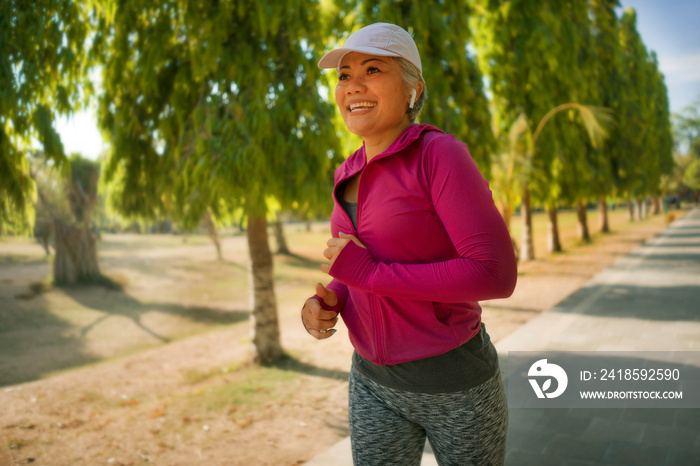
(668, 27)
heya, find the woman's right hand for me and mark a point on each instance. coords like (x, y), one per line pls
(319, 322)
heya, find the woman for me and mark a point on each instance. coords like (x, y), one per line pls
(417, 241)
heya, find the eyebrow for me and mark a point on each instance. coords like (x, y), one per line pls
(364, 62)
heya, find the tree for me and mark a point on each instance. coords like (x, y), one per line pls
(511, 166)
(41, 71)
(530, 56)
(610, 71)
(75, 243)
(647, 131)
(213, 106)
(691, 176)
(686, 129)
(456, 100)
(523, 142)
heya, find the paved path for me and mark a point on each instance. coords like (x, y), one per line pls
(647, 301)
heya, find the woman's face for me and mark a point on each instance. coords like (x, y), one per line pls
(371, 96)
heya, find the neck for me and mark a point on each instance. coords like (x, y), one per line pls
(375, 146)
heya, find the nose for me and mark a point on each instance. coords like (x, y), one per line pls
(355, 86)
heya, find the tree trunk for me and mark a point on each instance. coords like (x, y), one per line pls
(527, 250)
(553, 241)
(76, 254)
(213, 235)
(42, 232)
(507, 214)
(264, 322)
(279, 236)
(603, 223)
(630, 210)
(638, 210)
(582, 216)
(656, 202)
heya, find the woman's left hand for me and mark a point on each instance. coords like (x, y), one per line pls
(335, 246)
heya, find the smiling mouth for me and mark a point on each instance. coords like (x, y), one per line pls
(359, 106)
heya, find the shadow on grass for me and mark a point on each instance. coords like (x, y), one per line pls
(13, 259)
(122, 304)
(486, 305)
(290, 363)
(295, 260)
(36, 341)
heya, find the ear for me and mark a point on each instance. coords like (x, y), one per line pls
(415, 93)
(419, 88)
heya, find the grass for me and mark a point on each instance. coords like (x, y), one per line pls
(567, 222)
(175, 293)
(239, 392)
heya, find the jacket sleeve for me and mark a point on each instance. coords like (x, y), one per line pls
(485, 267)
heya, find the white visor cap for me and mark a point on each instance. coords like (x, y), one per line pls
(376, 39)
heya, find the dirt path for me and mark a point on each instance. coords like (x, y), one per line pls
(196, 401)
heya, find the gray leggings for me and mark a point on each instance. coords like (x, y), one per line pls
(389, 426)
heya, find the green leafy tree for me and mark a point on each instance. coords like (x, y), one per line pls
(529, 53)
(660, 153)
(41, 72)
(522, 145)
(610, 70)
(686, 129)
(584, 168)
(212, 106)
(647, 132)
(691, 176)
(456, 100)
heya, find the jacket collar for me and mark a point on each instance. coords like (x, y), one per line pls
(357, 161)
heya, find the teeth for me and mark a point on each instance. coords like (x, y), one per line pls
(361, 106)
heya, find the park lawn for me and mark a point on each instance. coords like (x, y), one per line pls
(160, 372)
(174, 288)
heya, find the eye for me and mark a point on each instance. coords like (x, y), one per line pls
(372, 70)
(342, 77)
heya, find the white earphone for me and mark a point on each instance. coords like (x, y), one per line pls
(413, 98)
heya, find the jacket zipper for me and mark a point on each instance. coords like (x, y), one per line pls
(376, 316)
(373, 308)
(335, 197)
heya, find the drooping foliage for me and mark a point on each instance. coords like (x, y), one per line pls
(42, 70)
(531, 52)
(213, 105)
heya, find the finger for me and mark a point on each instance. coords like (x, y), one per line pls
(324, 324)
(319, 335)
(325, 268)
(338, 241)
(352, 238)
(328, 253)
(313, 314)
(329, 297)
